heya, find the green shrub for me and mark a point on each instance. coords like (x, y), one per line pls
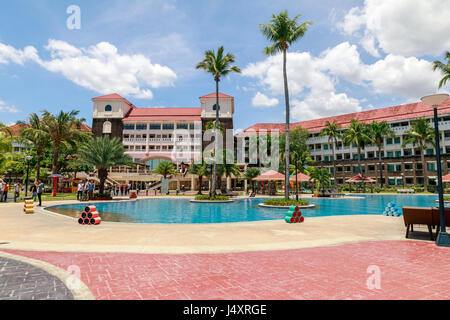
(208, 198)
(432, 189)
(102, 195)
(286, 202)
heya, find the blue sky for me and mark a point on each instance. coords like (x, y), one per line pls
(357, 55)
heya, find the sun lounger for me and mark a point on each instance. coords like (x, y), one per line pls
(406, 191)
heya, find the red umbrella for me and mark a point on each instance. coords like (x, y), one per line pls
(360, 178)
(300, 177)
(446, 178)
(270, 175)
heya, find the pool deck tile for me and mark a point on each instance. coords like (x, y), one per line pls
(409, 270)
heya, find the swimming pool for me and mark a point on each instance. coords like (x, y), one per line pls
(169, 211)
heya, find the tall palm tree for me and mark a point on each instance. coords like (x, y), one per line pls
(103, 153)
(357, 133)
(379, 131)
(283, 32)
(421, 134)
(219, 65)
(36, 134)
(333, 132)
(444, 68)
(64, 128)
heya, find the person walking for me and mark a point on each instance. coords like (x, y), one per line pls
(91, 190)
(33, 190)
(80, 191)
(17, 189)
(40, 190)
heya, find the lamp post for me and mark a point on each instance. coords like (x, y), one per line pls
(296, 175)
(28, 158)
(443, 238)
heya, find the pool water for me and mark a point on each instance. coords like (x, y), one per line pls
(182, 211)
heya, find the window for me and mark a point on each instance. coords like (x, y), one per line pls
(390, 154)
(141, 127)
(391, 168)
(430, 152)
(182, 126)
(108, 108)
(407, 152)
(128, 126)
(168, 126)
(389, 141)
(398, 154)
(397, 140)
(431, 166)
(155, 126)
(325, 147)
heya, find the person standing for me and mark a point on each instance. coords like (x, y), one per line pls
(40, 190)
(2, 185)
(17, 189)
(91, 190)
(80, 191)
(5, 192)
(33, 190)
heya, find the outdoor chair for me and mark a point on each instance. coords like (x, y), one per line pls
(418, 216)
(437, 218)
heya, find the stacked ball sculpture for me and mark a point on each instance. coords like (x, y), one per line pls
(294, 215)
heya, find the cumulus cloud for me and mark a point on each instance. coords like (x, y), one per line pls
(401, 27)
(100, 67)
(5, 108)
(312, 80)
(263, 101)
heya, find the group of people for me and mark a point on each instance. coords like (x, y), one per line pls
(36, 189)
(85, 191)
(122, 190)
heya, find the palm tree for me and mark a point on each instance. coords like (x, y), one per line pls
(283, 32)
(357, 134)
(103, 153)
(421, 134)
(228, 169)
(444, 68)
(303, 160)
(333, 132)
(250, 174)
(379, 131)
(219, 66)
(64, 128)
(165, 168)
(199, 170)
(36, 134)
(321, 176)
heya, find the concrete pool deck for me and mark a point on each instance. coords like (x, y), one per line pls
(53, 232)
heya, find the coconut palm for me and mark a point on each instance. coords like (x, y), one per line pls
(219, 65)
(165, 168)
(303, 160)
(379, 131)
(228, 168)
(320, 176)
(36, 134)
(250, 174)
(282, 32)
(62, 129)
(444, 68)
(357, 133)
(333, 132)
(421, 135)
(102, 153)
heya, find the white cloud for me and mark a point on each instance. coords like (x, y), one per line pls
(401, 27)
(6, 108)
(261, 100)
(99, 67)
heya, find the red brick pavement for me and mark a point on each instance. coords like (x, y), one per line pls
(409, 270)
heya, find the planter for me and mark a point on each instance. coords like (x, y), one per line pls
(211, 201)
(309, 206)
(102, 199)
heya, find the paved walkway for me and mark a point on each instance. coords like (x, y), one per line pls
(407, 270)
(23, 281)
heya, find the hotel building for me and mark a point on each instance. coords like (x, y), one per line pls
(402, 165)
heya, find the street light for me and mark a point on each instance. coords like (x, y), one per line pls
(296, 175)
(434, 100)
(28, 158)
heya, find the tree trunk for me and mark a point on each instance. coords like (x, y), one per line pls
(38, 165)
(334, 164)
(216, 152)
(381, 166)
(102, 175)
(200, 180)
(287, 147)
(360, 169)
(424, 170)
(55, 159)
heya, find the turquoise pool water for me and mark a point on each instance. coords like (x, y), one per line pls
(183, 211)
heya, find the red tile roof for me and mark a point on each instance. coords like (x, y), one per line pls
(113, 96)
(396, 113)
(164, 114)
(213, 95)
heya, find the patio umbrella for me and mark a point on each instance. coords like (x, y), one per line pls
(301, 177)
(446, 178)
(270, 175)
(360, 178)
